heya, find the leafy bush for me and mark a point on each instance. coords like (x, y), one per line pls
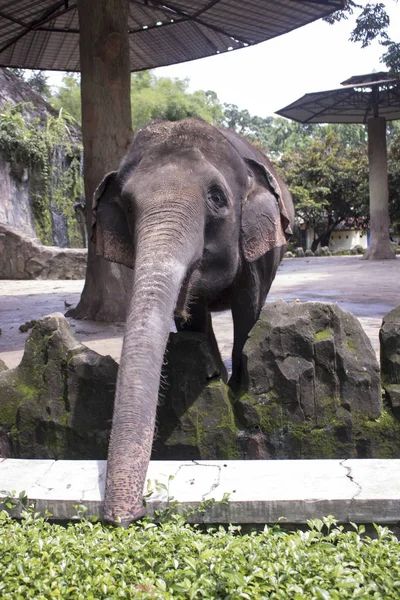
(86, 560)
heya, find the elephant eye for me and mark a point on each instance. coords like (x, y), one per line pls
(217, 197)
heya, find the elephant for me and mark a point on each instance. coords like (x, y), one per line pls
(202, 218)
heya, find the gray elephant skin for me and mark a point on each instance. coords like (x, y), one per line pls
(201, 217)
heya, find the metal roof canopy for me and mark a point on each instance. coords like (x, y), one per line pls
(362, 97)
(44, 34)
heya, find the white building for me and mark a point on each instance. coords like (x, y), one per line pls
(346, 236)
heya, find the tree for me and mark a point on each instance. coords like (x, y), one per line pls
(106, 132)
(329, 184)
(257, 129)
(169, 99)
(37, 80)
(394, 175)
(151, 98)
(372, 23)
(68, 96)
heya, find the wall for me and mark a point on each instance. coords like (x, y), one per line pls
(15, 208)
(22, 257)
(346, 239)
(39, 200)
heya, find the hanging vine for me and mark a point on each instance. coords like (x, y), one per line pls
(53, 161)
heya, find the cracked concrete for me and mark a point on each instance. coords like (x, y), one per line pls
(349, 475)
(359, 491)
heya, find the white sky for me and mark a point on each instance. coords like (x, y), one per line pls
(268, 76)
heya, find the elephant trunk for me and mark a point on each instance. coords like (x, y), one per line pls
(158, 278)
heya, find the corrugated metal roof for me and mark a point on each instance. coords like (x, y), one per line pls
(348, 104)
(44, 34)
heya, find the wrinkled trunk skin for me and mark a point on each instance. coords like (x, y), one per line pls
(157, 282)
(380, 246)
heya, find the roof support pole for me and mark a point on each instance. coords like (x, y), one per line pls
(106, 131)
(380, 246)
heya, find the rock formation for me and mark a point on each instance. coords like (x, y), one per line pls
(26, 258)
(39, 196)
(389, 336)
(58, 402)
(311, 389)
(311, 383)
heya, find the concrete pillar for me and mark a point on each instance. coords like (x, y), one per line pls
(380, 247)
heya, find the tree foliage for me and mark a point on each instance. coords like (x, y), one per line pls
(166, 98)
(329, 183)
(372, 23)
(37, 80)
(151, 98)
(394, 176)
(68, 96)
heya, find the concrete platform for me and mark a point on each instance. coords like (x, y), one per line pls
(359, 491)
(368, 289)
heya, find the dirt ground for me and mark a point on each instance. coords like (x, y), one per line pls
(368, 289)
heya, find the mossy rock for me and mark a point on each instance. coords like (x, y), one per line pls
(58, 402)
(346, 436)
(195, 415)
(389, 336)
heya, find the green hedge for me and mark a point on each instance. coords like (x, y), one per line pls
(91, 561)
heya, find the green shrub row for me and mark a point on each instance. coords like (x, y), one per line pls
(92, 561)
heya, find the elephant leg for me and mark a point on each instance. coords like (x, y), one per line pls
(249, 293)
(200, 322)
(245, 312)
(248, 296)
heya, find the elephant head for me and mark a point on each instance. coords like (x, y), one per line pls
(194, 211)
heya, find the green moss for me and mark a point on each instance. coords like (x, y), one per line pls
(352, 347)
(323, 444)
(27, 392)
(383, 432)
(377, 438)
(8, 412)
(350, 344)
(324, 334)
(209, 425)
(327, 409)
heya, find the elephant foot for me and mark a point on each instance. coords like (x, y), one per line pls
(124, 522)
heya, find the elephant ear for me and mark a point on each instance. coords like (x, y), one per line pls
(110, 230)
(265, 220)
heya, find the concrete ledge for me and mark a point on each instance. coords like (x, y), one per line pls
(359, 491)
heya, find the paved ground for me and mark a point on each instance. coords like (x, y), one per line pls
(368, 289)
(260, 491)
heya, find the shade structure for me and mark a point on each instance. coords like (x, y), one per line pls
(362, 97)
(370, 99)
(44, 34)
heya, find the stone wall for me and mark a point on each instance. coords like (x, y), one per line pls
(26, 258)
